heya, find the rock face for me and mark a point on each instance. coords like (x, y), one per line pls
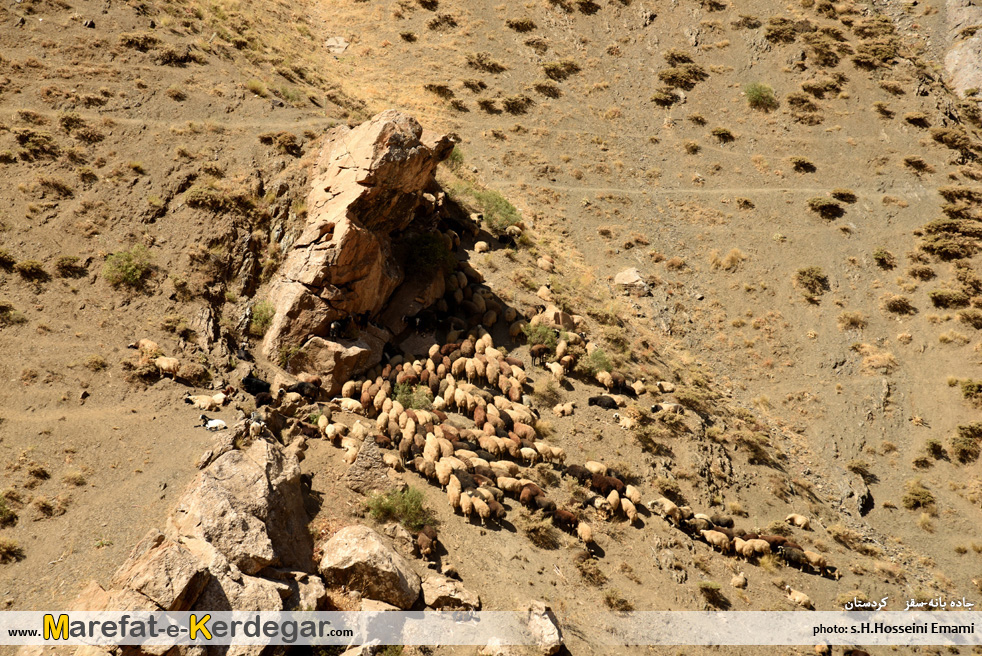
(369, 473)
(164, 572)
(369, 183)
(246, 508)
(357, 558)
(630, 281)
(964, 58)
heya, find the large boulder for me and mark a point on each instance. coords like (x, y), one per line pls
(246, 507)
(369, 473)
(338, 361)
(544, 628)
(368, 183)
(357, 558)
(442, 593)
(164, 571)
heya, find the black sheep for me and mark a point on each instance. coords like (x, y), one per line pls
(793, 557)
(605, 402)
(722, 520)
(604, 484)
(255, 385)
(308, 391)
(580, 473)
(539, 353)
(264, 398)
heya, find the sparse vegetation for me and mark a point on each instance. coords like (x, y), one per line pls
(406, 507)
(128, 268)
(825, 208)
(415, 398)
(917, 496)
(262, 317)
(812, 281)
(760, 96)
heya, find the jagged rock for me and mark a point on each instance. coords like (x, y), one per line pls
(338, 361)
(544, 628)
(495, 648)
(665, 387)
(357, 558)
(369, 472)
(164, 571)
(369, 184)
(307, 591)
(442, 593)
(412, 296)
(401, 538)
(858, 497)
(247, 507)
(630, 281)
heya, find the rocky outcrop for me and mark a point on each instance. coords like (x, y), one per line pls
(357, 558)
(241, 514)
(370, 182)
(963, 60)
(246, 508)
(369, 473)
(544, 628)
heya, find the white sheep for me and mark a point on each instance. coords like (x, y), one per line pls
(203, 402)
(717, 540)
(585, 533)
(800, 521)
(799, 598)
(212, 424)
(168, 366)
(557, 371)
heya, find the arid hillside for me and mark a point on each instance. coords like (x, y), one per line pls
(795, 184)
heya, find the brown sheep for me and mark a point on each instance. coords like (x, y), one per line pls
(716, 540)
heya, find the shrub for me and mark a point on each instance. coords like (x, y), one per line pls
(852, 321)
(429, 254)
(546, 392)
(483, 61)
(780, 30)
(594, 363)
(918, 164)
(519, 104)
(675, 57)
(812, 280)
(918, 119)
(760, 96)
(972, 317)
(7, 261)
(917, 496)
(285, 142)
(802, 165)
(10, 551)
(898, 304)
(9, 316)
(499, 214)
(540, 334)
(262, 316)
(972, 391)
(31, 270)
(560, 70)
(415, 398)
(67, 266)
(129, 268)
(591, 573)
(825, 208)
(685, 76)
(884, 258)
(921, 272)
(541, 533)
(257, 87)
(521, 24)
(946, 298)
(7, 516)
(36, 145)
(964, 449)
(664, 97)
(141, 41)
(614, 601)
(405, 507)
(723, 135)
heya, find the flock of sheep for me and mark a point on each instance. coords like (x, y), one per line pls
(478, 464)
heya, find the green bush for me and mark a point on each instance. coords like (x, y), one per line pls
(884, 258)
(499, 214)
(415, 398)
(9, 316)
(405, 507)
(917, 496)
(456, 159)
(262, 317)
(429, 254)
(540, 334)
(129, 268)
(760, 96)
(946, 298)
(594, 363)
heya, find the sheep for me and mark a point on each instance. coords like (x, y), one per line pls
(800, 521)
(817, 561)
(596, 467)
(565, 520)
(147, 348)
(605, 379)
(307, 390)
(545, 504)
(539, 353)
(629, 510)
(799, 598)
(203, 402)
(482, 509)
(793, 557)
(633, 494)
(557, 371)
(466, 504)
(255, 386)
(585, 533)
(348, 389)
(211, 424)
(580, 473)
(352, 406)
(721, 520)
(716, 540)
(426, 540)
(393, 461)
(823, 649)
(638, 387)
(168, 366)
(667, 509)
(614, 499)
(739, 581)
(605, 402)
(604, 484)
